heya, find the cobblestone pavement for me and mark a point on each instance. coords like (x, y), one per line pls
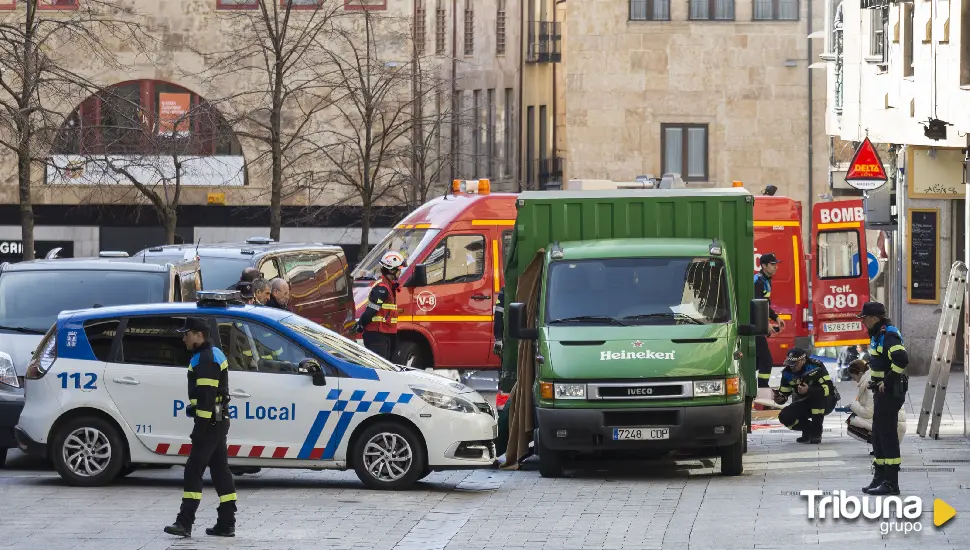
(637, 505)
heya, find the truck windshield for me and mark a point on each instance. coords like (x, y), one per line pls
(638, 291)
(409, 242)
(33, 299)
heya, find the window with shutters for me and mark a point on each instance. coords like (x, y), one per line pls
(685, 150)
(440, 27)
(420, 24)
(469, 28)
(500, 29)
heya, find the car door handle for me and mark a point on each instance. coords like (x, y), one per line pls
(127, 380)
(480, 297)
(239, 393)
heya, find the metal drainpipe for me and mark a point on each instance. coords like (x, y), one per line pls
(454, 91)
(522, 111)
(811, 114)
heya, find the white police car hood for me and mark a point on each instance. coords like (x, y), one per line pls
(437, 382)
(19, 347)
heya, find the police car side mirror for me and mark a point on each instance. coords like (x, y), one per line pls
(312, 368)
(759, 319)
(419, 277)
(517, 329)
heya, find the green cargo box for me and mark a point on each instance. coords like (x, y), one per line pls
(726, 215)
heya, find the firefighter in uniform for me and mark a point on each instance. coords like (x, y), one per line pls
(814, 395)
(887, 363)
(379, 320)
(762, 289)
(498, 320)
(208, 404)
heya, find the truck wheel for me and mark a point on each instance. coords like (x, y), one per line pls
(411, 354)
(550, 461)
(88, 452)
(389, 455)
(732, 457)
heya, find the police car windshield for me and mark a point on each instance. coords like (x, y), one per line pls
(336, 345)
(33, 299)
(409, 242)
(638, 291)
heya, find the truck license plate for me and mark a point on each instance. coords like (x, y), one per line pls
(621, 434)
(842, 327)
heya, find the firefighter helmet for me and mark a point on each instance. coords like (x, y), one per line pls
(392, 260)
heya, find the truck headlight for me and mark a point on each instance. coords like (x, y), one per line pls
(569, 391)
(444, 401)
(8, 375)
(704, 388)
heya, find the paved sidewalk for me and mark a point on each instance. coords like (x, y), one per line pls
(636, 505)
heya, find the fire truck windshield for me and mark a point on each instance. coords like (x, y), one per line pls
(409, 242)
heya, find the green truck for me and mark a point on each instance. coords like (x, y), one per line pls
(642, 321)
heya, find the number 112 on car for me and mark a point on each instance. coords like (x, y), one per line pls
(78, 380)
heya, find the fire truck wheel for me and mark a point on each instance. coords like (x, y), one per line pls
(411, 354)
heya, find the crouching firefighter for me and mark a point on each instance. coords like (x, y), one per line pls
(208, 404)
(379, 320)
(887, 363)
(814, 395)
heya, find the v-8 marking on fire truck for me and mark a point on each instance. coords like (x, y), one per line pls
(312, 399)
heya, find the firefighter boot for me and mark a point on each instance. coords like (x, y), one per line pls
(178, 530)
(878, 476)
(226, 523)
(889, 486)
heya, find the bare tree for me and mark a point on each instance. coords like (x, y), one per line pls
(153, 156)
(278, 67)
(42, 55)
(366, 142)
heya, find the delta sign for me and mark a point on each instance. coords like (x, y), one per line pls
(866, 172)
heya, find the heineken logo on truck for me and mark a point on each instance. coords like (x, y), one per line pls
(647, 354)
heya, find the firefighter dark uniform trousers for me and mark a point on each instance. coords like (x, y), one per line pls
(762, 289)
(888, 361)
(208, 402)
(807, 411)
(379, 320)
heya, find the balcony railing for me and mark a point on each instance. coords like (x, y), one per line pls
(544, 42)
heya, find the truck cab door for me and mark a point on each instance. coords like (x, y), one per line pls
(840, 282)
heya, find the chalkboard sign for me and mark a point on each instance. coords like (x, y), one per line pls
(923, 255)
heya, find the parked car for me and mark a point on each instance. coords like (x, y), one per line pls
(320, 288)
(33, 293)
(114, 378)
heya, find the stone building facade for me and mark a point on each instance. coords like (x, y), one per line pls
(461, 41)
(716, 90)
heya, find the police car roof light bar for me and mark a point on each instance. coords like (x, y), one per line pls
(218, 297)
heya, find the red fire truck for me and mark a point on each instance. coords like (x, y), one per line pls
(462, 238)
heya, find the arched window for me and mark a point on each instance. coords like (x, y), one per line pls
(146, 117)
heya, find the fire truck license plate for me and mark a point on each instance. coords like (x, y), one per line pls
(620, 434)
(842, 327)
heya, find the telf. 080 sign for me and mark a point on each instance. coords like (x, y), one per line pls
(840, 301)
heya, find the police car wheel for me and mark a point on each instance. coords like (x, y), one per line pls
(88, 452)
(389, 455)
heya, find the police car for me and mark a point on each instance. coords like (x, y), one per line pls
(106, 392)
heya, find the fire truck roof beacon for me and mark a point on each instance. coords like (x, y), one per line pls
(471, 187)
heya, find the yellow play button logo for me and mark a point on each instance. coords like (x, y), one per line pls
(942, 512)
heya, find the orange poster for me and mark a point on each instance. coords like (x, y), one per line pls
(172, 110)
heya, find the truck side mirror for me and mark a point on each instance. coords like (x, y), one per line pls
(517, 330)
(419, 277)
(759, 319)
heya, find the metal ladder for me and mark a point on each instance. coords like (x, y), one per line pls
(935, 393)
